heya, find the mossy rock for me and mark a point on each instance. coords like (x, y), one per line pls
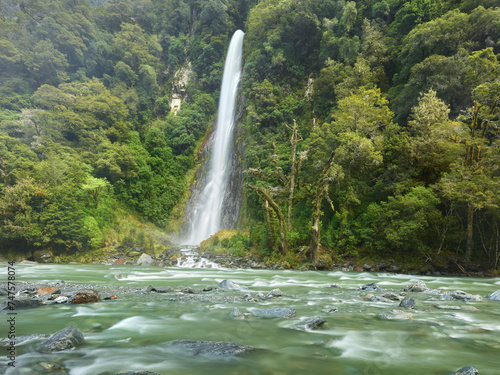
(223, 235)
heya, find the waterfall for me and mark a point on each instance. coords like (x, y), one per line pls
(206, 216)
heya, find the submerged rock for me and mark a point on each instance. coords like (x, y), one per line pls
(309, 323)
(373, 298)
(67, 338)
(371, 287)
(229, 285)
(85, 296)
(418, 287)
(274, 293)
(495, 296)
(277, 312)
(395, 315)
(221, 349)
(467, 370)
(393, 296)
(21, 303)
(459, 295)
(331, 309)
(408, 303)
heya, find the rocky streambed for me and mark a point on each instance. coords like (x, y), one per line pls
(253, 316)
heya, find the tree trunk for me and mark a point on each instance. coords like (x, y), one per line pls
(321, 190)
(269, 226)
(470, 231)
(265, 196)
(293, 176)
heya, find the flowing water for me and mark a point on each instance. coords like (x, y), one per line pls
(206, 217)
(130, 333)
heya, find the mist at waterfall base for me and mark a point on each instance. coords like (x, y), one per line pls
(206, 217)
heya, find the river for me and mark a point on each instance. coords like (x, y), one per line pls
(130, 333)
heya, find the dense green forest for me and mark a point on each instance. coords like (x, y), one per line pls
(370, 127)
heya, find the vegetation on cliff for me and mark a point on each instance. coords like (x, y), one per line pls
(371, 127)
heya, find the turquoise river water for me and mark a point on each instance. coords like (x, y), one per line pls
(130, 333)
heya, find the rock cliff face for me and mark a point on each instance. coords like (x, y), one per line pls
(178, 92)
(233, 196)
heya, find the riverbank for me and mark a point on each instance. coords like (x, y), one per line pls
(169, 255)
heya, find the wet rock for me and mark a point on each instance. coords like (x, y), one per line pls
(162, 290)
(3, 292)
(495, 296)
(208, 288)
(408, 303)
(447, 307)
(61, 299)
(248, 298)
(372, 298)
(274, 293)
(393, 296)
(276, 312)
(469, 308)
(236, 313)
(85, 296)
(220, 349)
(229, 285)
(467, 370)
(331, 309)
(137, 373)
(42, 256)
(459, 295)
(44, 290)
(395, 315)
(335, 285)
(22, 303)
(119, 261)
(309, 323)
(418, 287)
(67, 338)
(149, 288)
(371, 287)
(144, 260)
(188, 291)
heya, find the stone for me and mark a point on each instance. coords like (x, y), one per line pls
(22, 303)
(235, 313)
(276, 312)
(418, 287)
(393, 296)
(67, 338)
(61, 299)
(395, 315)
(460, 295)
(467, 370)
(331, 309)
(137, 373)
(372, 298)
(162, 290)
(85, 296)
(229, 285)
(208, 288)
(309, 323)
(144, 260)
(44, 290)
(335, 285)
(408, 303)
(42, 256)
(447, 307)
(220, 349)
(274, 293)
(371, 287)
(469, 308)
(188, 291)
(119, 261)
(495, 296)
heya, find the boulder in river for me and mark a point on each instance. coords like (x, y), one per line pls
(467, 370)
(309, 323)
(418, 287)
(45, 290)
(219, 349)
(274, 293)
(21, 303)
(371, 287)
(85, 296)
(395, 315)
(373, 298)
(459, 295)
(495, 296)
(408, 303)
(144, 260)
(229, 285)
(276, 312)
(67, 338)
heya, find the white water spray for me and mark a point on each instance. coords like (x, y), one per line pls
(207, 216)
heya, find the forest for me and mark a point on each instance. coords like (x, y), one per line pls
(370, 127)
